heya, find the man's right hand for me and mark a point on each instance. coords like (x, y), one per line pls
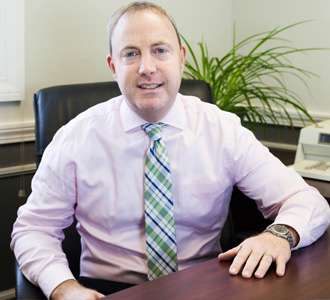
(72, 290)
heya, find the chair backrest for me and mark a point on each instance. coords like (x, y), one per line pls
(56, 106)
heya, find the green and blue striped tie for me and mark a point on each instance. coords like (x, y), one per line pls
(159, 216)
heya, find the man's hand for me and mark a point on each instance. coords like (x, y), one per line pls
(257, 253)
(72, 290)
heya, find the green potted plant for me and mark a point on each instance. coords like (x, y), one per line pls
(253, 85)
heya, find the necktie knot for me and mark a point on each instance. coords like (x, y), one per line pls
(154, 130)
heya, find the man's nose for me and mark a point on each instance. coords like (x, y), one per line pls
(147, 65)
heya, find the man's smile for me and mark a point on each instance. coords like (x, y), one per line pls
(149, 86)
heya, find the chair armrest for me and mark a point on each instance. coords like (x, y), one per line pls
(25, 290)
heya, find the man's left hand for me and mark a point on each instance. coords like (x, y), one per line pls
(256, 254)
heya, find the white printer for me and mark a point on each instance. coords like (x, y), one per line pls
(313, 154)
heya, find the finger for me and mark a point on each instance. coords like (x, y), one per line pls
(252, 263)
(265, 263)
(239, 261)
(280, 266)
(230, 254)
(99, 295)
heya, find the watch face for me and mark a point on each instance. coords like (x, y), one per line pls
(280, 229)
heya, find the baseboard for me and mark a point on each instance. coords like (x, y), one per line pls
(8, 294)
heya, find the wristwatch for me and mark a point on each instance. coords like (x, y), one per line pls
(281, 231)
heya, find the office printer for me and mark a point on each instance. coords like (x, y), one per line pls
(313, 154)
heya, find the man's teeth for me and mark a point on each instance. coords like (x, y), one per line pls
(153, 86)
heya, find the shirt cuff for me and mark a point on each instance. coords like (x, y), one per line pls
(52, 277)
(301, 229)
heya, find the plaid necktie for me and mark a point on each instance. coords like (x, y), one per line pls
(159, 216)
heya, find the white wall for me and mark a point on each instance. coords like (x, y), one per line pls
(66, 41)
(254, 16)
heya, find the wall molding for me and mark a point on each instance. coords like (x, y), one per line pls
(303, 121)
(279, 146)
(17, 133)
(17, 170)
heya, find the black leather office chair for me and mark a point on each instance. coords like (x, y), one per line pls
(56, 106)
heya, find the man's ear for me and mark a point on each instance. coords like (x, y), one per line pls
(183, 56)
(111, 66)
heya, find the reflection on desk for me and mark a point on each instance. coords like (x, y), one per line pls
(307, 277)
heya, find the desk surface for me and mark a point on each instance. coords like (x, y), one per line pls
(307, 277)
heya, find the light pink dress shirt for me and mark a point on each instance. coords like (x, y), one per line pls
(94, 168)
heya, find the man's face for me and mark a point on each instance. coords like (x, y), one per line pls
(147, 62)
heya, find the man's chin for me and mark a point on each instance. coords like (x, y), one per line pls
(150, 108)
(151, 113)
(151, 104)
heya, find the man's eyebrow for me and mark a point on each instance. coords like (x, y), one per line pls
(128, 47)
(162, 43)
(156, 44)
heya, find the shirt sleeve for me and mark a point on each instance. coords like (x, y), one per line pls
(280, 192)
(38, 230)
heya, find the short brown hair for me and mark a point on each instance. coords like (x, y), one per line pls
(136, 7)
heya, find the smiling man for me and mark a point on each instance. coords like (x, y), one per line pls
(147, 61)
(149, 176)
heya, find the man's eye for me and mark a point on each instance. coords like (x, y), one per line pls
(130, 54)
(161, 51)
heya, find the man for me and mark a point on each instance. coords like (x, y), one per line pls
(94, 169)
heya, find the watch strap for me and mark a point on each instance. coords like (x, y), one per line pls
(281, 231)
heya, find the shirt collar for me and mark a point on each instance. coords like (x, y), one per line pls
(175, 117)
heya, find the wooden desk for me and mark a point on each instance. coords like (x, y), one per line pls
(307, 277)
